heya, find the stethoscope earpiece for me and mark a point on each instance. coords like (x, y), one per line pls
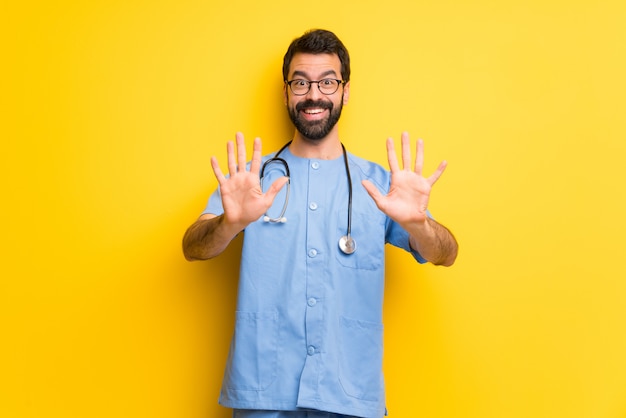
(281, 219)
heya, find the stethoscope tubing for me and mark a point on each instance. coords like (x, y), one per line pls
(281, 218)
(345, 160)
(346, 243)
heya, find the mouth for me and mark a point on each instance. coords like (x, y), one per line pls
(314, 111)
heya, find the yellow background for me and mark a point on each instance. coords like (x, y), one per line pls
(112, 109)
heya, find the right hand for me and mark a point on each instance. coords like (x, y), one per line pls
(242, 197)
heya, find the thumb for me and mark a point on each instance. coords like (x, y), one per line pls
(273, 190)
(372, 191)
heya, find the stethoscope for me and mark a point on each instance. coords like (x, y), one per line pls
(347, 244)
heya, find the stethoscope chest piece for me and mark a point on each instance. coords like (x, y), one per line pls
(347, 244)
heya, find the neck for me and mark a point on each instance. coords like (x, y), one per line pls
(327, 148)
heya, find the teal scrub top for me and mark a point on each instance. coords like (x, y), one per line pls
(308, 327)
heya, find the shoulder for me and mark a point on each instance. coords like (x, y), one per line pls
(369, 170)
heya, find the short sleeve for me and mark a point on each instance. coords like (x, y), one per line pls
(214, 205)
(399, 237)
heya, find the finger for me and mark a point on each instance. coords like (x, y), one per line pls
(217, 171)
(435, 176)
(273, 190)
(230, 152)
(373, 192)
(255, 164)
(391, 156)
(241, 152)
(406, 151)
(419, 157)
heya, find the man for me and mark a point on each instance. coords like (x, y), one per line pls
(308, 331)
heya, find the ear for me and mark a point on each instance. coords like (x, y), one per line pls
(285, 93)
(346, 92)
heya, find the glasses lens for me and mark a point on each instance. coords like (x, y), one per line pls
(299, 86)
(328, 85)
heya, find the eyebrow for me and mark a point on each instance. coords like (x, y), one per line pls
(305, 75)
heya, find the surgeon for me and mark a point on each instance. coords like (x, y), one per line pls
(315, 219)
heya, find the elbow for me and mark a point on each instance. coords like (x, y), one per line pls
(449, 260)
(447, 256)
(199, 252)
(191, 255)
(193, 252)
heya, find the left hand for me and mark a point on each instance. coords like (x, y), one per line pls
(407, 200)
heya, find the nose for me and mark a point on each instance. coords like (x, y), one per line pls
(314, 91)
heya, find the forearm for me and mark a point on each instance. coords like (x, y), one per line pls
(434, 242)
(208, 237)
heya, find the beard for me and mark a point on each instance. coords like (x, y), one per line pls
(318, 129)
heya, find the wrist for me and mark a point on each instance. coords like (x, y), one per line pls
(419, 228)
(228, 228)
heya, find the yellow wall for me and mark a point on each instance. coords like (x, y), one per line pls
(112, 109)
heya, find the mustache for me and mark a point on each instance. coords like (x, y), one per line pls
(308, 104)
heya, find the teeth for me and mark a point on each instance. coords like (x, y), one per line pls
(313, 111)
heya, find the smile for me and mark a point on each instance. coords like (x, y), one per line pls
(313, 111)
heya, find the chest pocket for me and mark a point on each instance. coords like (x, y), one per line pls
(368, 231)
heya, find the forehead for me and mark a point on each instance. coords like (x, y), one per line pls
(314, 65)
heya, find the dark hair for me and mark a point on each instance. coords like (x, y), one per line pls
(318, 41)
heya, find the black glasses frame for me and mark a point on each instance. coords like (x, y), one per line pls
(309, 83)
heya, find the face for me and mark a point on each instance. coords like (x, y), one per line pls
(315, 114)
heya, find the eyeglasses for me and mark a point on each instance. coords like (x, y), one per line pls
(300, 87)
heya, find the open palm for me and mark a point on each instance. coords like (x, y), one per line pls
(242, 197)
(409, 192)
